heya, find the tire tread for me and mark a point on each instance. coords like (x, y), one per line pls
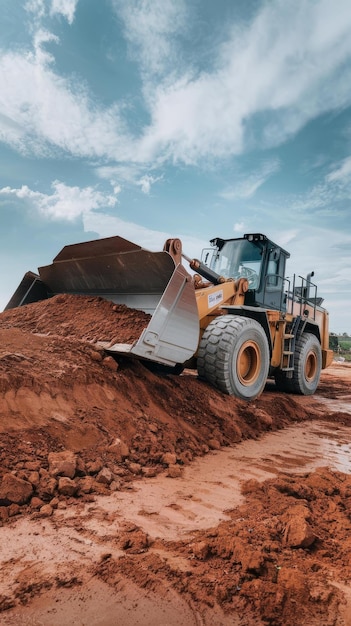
(216, 349)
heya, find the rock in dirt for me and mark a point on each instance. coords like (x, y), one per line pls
(174, 471)
(62, 464)
(119, 449)
(67, 487)
(298, 533)
(14, 490)
(105, 476)
(46, 510)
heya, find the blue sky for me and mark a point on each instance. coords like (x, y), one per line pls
(152, 119)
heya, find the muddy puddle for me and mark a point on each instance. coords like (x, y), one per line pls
(343, 404)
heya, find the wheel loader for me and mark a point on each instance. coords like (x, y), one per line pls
(233, 315)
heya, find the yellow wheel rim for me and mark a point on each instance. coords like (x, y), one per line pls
(248, 363)
(311, 366)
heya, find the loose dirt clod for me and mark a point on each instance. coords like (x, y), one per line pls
(74, 428)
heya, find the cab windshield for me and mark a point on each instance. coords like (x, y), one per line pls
(239, 258)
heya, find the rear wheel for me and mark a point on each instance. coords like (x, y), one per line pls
(307, 367)
(234, 356)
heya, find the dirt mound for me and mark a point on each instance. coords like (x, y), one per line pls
(61, 392)
(276, 554)
(75, 423)
(83, 317)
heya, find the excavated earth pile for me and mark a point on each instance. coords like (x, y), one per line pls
(77, 426)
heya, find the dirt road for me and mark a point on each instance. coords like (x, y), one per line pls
(127, 498)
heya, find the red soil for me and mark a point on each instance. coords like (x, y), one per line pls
(284, 555)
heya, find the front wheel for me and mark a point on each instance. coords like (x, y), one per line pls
(234, 356)
(307, 367)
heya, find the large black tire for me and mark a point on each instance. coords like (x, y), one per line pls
(234, 356)
(307, 367)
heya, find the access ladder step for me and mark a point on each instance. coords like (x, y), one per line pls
(288, 352)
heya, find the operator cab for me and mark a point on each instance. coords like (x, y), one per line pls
(256, 258)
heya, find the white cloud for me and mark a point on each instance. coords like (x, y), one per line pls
(342, 173)
(42, 57)
(326, 253)
(146, 182)
(190, 122)
(39, 8)
(66, 8)
(47, 113)
(287, 66)
(286, 236)
(289, 62)
(150, 27)
(246, 187)
(329, 198)
(65, 203)
(131, 174)
(116, 187)
(36, 7)
(128, 172)
(239, 227)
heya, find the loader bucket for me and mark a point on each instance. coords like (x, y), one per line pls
(172, 335)
(113, 268)
(125, 273)
(30, 289)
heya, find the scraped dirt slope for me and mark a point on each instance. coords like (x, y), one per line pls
(76, 425)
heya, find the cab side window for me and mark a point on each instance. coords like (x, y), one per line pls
(273, 280)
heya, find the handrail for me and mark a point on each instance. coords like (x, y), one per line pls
(301, 294)
(294, 292)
